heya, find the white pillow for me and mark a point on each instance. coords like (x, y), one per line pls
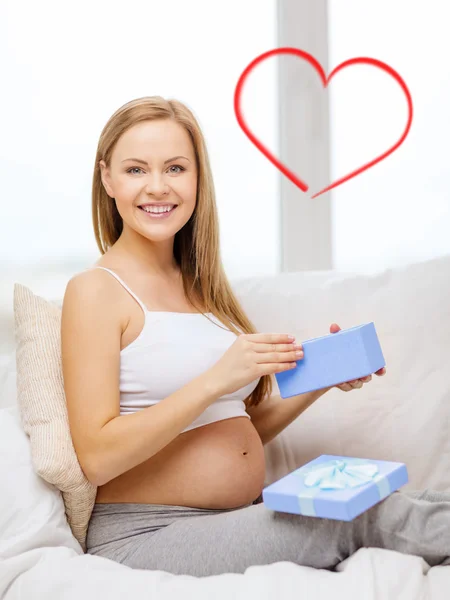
(8, 388)
(32, 513)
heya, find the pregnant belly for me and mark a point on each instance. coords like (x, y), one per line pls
(220, 465)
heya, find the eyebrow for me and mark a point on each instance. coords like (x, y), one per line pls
(165, 162)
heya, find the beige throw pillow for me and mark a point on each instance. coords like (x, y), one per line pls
(42, 404)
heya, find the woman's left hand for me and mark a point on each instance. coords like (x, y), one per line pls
(355, 384)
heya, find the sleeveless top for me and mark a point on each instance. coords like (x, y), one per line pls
(172, 349)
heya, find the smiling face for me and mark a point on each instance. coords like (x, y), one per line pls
(144, 170)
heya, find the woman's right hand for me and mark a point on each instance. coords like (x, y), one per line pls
(251, 356)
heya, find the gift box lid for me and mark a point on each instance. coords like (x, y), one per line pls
(333, 359)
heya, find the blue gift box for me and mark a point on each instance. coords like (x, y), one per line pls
(335, 487)
(333, 359)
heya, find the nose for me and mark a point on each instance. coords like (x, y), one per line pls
(156, 185)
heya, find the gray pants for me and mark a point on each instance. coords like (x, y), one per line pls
(202, 542)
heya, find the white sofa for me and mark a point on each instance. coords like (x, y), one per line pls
(403, 416)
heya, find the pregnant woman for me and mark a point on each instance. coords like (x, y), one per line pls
(168, 383)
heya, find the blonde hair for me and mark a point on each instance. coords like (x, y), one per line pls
(196, 245)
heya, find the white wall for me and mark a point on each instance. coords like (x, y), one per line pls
(67, 67)
(398, 211)
(304, 136)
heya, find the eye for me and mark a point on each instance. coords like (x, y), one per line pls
(178, 166)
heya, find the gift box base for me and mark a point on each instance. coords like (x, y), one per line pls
(341, 505)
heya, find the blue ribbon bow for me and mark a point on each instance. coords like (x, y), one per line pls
(338, 474)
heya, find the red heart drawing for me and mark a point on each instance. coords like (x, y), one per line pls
(314, 63)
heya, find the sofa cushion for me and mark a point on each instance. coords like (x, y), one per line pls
(403, 416)
(42, 404)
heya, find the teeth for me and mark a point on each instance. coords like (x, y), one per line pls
(158, 209)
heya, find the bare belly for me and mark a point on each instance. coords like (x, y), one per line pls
(220, 465)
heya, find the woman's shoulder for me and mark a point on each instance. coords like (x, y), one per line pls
(96, 287)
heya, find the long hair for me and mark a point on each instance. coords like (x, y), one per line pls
(196, 245)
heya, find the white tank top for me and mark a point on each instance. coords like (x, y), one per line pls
(172, 349)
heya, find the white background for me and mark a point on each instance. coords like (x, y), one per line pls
(398, 211)
(67, 67)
